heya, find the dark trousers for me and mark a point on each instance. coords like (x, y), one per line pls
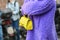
(16, 26)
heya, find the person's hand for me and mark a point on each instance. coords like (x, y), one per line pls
(25, 14)
(20, 9)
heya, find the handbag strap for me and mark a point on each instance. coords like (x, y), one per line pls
(26, 16)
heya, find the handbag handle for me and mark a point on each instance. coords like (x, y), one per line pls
(26, 16)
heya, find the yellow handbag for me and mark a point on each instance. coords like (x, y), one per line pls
(26, 22)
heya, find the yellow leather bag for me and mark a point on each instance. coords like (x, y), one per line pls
(26, 22)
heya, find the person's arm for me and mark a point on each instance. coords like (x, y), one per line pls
(16, 9)
(6, 5)
(37, 7)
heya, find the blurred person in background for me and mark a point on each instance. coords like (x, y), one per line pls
(42, 13)
(14, 6)
(1, 31)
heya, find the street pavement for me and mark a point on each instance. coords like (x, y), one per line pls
(59, 37)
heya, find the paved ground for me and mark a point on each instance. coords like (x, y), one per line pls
(59, 37)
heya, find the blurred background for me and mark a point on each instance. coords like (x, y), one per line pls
(3, 3)
(57, 17)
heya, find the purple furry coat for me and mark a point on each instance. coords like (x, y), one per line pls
(42, 14)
